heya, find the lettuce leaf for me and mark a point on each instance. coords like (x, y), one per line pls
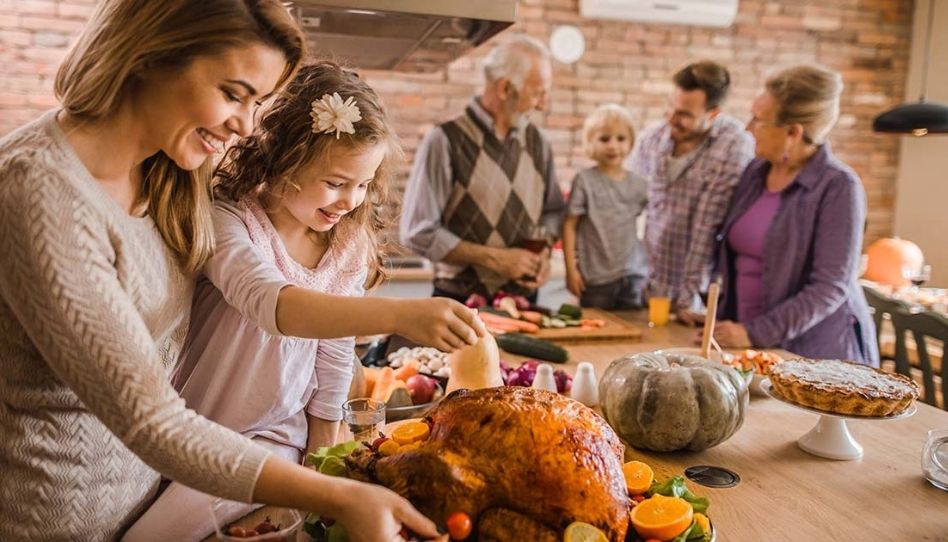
(316, 459)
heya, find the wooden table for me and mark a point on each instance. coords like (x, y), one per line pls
(788, 494)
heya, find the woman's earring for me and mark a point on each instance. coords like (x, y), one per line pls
(786, 156)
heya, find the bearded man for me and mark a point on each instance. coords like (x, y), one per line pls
(692, 161)
(482, 185)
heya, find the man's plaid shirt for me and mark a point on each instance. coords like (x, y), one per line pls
(685, 212)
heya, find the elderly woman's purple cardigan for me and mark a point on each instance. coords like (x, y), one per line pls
(812, 303)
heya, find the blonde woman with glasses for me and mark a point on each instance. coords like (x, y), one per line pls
(790, 245)
(105, 218)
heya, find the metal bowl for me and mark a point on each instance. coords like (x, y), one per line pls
(414, 411)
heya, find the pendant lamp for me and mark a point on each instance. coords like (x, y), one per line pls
(919, 118)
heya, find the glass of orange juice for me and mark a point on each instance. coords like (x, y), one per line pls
(659, 308)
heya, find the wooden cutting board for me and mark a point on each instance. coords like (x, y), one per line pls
(615, 329)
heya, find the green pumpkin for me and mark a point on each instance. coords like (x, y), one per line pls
(667, 402)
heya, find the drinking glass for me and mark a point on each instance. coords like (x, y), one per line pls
(537, 240)
(659, 307)
(917, 276)
(935, 458)
(364, 418)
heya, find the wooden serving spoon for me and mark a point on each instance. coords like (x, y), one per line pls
(713, 291)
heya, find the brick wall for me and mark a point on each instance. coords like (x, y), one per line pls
(866, 40)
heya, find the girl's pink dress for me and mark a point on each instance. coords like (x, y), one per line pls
(237, 369)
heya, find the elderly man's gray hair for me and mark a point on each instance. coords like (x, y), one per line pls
(513, 59)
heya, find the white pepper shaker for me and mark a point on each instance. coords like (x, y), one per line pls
(585, 387)
(544, 379)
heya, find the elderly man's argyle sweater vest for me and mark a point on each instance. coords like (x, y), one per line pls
(496, 199)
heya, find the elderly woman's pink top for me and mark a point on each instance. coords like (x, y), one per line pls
(236, 367)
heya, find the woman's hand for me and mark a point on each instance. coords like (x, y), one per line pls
(373, 513)
(731, 335)
(689, 317)
(575, 283)
(439, 322)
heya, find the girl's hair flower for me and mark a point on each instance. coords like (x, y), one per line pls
(330, 114)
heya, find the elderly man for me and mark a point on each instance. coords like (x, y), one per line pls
(692, 162)
(483, 183)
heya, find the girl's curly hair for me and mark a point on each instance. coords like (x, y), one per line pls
(284, 143)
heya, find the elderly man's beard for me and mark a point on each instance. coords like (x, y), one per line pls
(510, 107)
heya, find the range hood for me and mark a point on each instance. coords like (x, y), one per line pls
(403, 35)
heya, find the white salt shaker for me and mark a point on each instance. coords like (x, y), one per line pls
(585, 387)
(544, 379)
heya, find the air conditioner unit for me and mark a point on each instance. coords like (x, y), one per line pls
(719, 13)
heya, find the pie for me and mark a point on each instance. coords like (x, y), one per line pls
(842, 387)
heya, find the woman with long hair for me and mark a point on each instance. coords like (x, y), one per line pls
(106, 216)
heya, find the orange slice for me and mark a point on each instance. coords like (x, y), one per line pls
(661, 517)
(389, 447)
(409, 447)
(638, 477)
(578, 531)
(704, 522)
(411, 432)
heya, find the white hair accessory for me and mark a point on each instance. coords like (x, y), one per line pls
(330, 114)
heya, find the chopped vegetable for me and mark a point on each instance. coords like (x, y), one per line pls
(570, 311)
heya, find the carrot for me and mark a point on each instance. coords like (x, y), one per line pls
(501, 322)
(532, 317)
(592, 322)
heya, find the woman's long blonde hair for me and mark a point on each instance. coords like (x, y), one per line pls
(284, 143)
(123, 39)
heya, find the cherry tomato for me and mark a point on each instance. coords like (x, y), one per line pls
(237, 531)
(250, 533)
(459, 526)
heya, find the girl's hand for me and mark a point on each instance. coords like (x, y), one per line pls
(731, 335)
(373, 513)
(575, 283)
(439, 322)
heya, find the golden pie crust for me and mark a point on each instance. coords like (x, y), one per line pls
(843, 387)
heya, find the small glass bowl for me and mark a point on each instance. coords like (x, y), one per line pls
(289, 520)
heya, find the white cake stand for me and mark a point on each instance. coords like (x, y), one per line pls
(830, 438)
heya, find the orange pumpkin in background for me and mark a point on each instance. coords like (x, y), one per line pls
(887, 257)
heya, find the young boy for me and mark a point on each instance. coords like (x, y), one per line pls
(606, 265)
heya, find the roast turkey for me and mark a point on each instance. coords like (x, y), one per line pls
(523, 463)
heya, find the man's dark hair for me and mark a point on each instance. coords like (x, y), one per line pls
(708, 76)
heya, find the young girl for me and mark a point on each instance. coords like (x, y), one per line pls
(605, 263)
(299, 209)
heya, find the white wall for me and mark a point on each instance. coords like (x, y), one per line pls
(921, 208)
